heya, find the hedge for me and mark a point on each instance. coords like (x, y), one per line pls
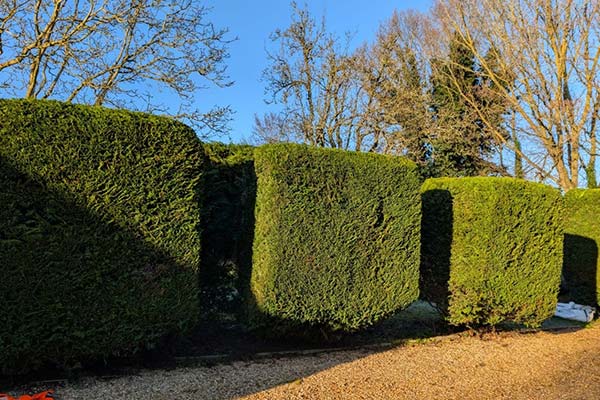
(99, 238)
(582, 235)
(227, 229)
(491, 249)
(337, 237)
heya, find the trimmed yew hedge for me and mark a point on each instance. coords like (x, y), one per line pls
(337, 236)
(491, 249)
(582, 235)
(227, 229)
(99, 238)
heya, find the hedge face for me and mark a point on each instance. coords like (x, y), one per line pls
(582, 235)
(337, 236)
(227, 229)
(491, 249)
(99, 239)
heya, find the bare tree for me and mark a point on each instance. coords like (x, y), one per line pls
(552, 49)
(272, 128)
(394, 80)
(311, 75)
(121, 53)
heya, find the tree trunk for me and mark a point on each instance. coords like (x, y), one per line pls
(590, 169)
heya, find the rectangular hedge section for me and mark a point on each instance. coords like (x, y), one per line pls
(337, 236)
(582, 235)
(227, 229)
(99, 238)
(491, 249)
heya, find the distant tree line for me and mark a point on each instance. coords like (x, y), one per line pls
(473, 87)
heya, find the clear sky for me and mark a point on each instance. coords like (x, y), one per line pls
(253, 21)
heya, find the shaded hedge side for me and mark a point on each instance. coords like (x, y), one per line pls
(582, 236)
(491, 249)
(99, 231)
(337, 236)
(227, 229)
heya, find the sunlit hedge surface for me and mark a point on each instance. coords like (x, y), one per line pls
(491, 249)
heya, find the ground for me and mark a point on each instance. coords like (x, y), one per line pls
(562, 364)
(507, 366)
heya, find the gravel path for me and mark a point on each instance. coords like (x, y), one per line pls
(541, 365)
(513, 366)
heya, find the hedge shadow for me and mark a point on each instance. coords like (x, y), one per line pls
(61, 303)
(104, 205)
(492, 249)
(580, 268)
(436, 223)
(227, 225)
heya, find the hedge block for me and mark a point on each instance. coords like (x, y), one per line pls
(227, 229)
(582, 234)
(337, 236)
(491, 249)
(99, 231)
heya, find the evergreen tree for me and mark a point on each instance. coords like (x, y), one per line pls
(402, 100)
(415, 131)
(461, 144)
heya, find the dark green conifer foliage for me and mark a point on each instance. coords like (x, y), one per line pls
(582, 237)
(99, 238)
(337, 237)
(491, 249)
(227, 229)
(461, 143)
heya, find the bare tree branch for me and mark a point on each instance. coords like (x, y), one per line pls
(552, 48)
(105, 52)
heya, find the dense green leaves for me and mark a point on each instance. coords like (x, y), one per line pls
(227, 228)
(491, 249)
(99, 238)
(337, 236)
(468, 112)
(582, 235)
(100, 220)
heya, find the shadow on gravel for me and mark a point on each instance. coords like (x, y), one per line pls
(227, 362)
(214, 342)
(226, 354)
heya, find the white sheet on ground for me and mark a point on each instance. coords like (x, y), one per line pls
(575, 312)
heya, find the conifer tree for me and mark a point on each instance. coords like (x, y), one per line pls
(461, 144)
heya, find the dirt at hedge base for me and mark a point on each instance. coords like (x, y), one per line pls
(541, 365)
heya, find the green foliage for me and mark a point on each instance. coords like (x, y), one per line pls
(462, 142)
(337, 236)
(491, 249)
(227, 228)
(582, 235)
(99, 238)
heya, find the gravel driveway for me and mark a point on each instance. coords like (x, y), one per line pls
(541, 365)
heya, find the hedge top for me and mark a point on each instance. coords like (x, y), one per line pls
(120, 164)
(477, 182)
(583, 194)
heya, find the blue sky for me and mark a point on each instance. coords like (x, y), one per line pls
(253, 21)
